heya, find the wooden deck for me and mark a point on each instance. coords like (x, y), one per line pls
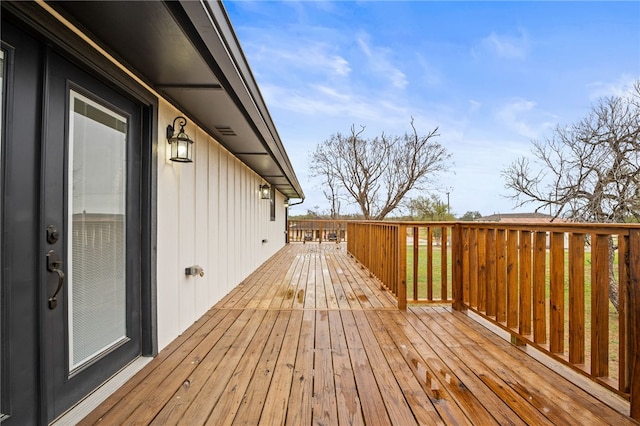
(309, 338)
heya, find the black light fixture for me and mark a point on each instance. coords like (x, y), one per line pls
(265, 192)
(181, 144)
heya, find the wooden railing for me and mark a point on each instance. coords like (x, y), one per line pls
(547, 285)
(427, 274)
(312, 230)
(378, 246)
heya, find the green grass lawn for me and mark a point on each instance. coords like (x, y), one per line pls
(422, 273)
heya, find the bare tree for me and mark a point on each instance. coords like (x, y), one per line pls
(377, 173)
(588, 171)
(330, 188)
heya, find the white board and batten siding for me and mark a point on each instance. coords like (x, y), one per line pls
(209, 214)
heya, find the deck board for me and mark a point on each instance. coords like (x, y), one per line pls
(311, 338)
(301, 396)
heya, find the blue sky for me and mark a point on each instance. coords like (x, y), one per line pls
(491, 75)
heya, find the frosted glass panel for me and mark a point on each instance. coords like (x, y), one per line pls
(97, 229)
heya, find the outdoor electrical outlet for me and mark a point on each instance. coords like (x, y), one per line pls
(194, 270)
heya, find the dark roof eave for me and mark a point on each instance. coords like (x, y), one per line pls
(210, 21)
(188, 52)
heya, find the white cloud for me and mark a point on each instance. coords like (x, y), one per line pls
(380, 63)
(332, 93)
(430, 75)
(525, 118)
(620, 87)
(505, 46)
(474, 105)
(319, 100)
(312, 57)
(340, 66)
(364, 46)
(398, 78)
(512, 114)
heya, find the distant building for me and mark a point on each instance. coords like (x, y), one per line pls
(520, 218)
(525, 219)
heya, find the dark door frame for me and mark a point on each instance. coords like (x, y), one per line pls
(62, 388)
(46, 31)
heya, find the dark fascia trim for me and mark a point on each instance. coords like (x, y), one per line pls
(189, 86)
(184, 20)
(239, 59)
(251, 153)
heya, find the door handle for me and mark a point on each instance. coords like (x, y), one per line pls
(54, 263)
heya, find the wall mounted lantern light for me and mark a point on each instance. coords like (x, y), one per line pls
(181, 144)
(265, 192)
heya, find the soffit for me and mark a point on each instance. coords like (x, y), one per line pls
(188, 52)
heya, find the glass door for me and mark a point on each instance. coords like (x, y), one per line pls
(91, 215)
(96, 240)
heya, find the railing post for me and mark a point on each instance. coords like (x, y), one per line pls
(457, 293)
(634, 320)
(402, 267)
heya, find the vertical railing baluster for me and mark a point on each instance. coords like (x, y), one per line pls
(501, 276)
(457, 284)
(539, 282)
(466, 276)
(473, 268)
(491, 273)
(556, 293)
(634, 320)
(401, 242)
(416, 255)
(429, 263)
(444, 273)
(512, 278)
(482, 269)
(524, 282)
(576, 299)
(600, 305)
(624, 374)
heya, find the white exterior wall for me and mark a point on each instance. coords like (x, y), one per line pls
(209, 214)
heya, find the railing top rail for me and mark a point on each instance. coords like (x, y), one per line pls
(584, 228)
(317, 220)
(573, 227)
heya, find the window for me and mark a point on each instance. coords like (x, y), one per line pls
(272, 200)
(97, 232)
